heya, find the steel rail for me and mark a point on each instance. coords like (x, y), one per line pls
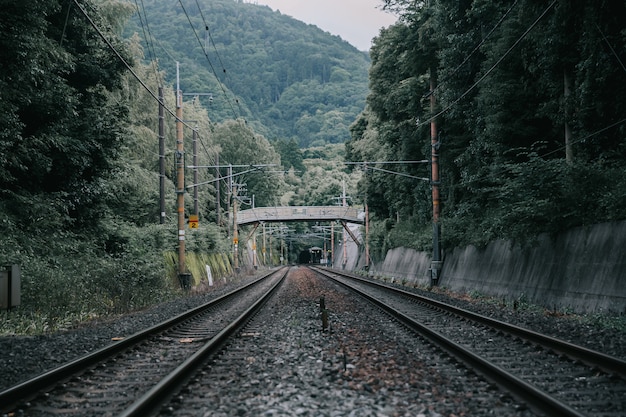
(161, 392)
(516, 386)
(607, 363)
(13, 396)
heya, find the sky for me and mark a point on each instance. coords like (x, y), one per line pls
(356, 21)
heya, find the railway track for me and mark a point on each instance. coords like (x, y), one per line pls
(286, 362)
(550, 375)
(273, 354)
(132, 376)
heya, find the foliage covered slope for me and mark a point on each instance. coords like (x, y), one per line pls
(531, 100)
(289, 80)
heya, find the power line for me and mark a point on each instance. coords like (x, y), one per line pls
(449, 76)
(206, 26)
(597, 132)
(126, 64)
(210, 63)
(493, 67)
(611, 48)
(148, 38)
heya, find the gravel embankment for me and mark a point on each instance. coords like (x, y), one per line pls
(365, 364)
(387, 389)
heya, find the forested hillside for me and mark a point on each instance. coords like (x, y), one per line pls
(289, 80)
(80, 156)
(530, 107)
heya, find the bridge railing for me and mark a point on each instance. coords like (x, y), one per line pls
(300, 213)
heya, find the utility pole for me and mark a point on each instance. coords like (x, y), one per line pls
(235, 232)
(367, 234)
(195, 170)
(218, 206)
(228, 200)
(435, 267)
(161, 157)
(345, 238)
(332, 243)
(264, 248)
(282, 249)
(567, 86)
(180, 182)
(367, 229)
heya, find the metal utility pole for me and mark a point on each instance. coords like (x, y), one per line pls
(218, 207)
(229, 190)
(264, 248)
(282, 249)
(345, 238)
(235, 232)
(180, 180)
(435, 267)
(195, 170)
(367, 229)
(567, 86)
(332, 243)
(161, 157)
(367, 234)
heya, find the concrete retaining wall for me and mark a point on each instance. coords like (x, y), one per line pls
(583, 269)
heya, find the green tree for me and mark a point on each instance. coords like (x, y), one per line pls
(61, 129)
(499, 71)
(286, 78)
(240, 146)
(290, 154)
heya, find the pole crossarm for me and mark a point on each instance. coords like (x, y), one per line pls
(300, 213)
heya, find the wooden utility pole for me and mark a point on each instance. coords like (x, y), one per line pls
(435, 266)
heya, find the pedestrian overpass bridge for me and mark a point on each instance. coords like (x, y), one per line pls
(257, 215)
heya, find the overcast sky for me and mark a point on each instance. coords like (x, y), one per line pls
(356, 21)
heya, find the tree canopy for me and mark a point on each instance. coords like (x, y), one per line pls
(530, 115)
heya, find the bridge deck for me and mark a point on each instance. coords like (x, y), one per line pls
(300, 213)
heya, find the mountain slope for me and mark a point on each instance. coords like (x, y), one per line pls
(286, 78)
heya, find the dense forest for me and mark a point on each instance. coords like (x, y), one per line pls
(529, 111)
(289, 80)
(530, 107)
(79, 160)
